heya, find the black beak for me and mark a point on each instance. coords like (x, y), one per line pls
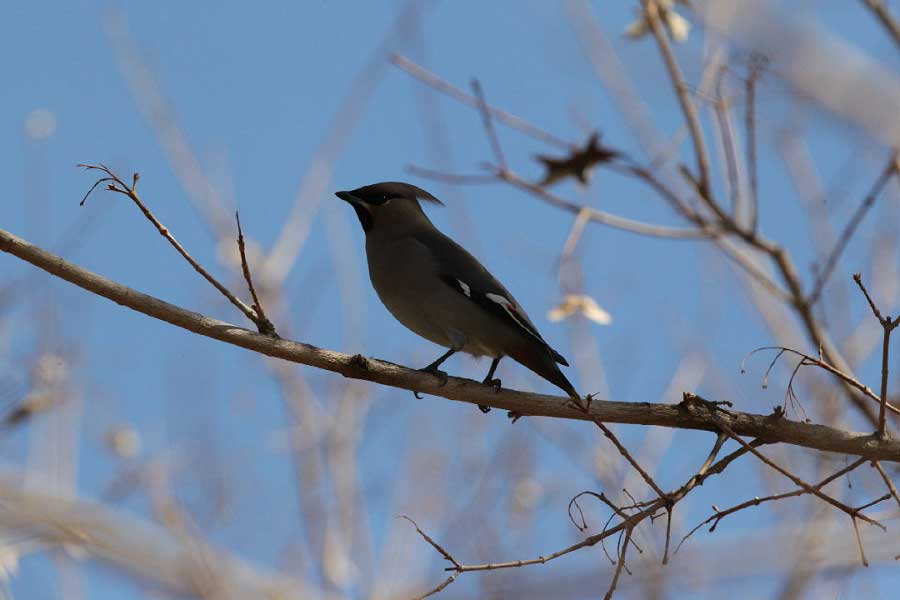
(348, 197)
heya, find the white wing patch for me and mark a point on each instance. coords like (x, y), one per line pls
(510, 309)
(465, 288)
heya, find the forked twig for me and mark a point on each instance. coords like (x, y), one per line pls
(262, 321)
(117, 185)
(888, 325)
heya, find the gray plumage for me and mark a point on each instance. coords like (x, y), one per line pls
(433, 286)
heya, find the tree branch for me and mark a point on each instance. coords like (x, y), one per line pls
(686, 415)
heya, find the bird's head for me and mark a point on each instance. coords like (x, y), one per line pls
(390, 205)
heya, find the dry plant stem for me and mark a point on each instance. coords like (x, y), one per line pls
(797, 481)
(625, 525)
(489, 125)
(750, 135)
(624, 452)
(263, 323)
(745, 262)
(433, 81)
(806, 359)
(440, 587)
(888, 326)
(687, 106)
(850, 228)
(601, 216)
(722, 110)
(619, 566)
(881, 11)
(803, 309)
(887, 481)
(117, 185)
(771, 428)
(433, 544)
(716, 517)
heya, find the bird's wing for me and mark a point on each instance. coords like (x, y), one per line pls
(465, 275)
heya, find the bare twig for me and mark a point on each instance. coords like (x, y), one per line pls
(887, 481)
(687, 106)
(504, 117)
(434, 544)
(601, 216)
(119, 186)
(489, 125)
(850, 228)
(262, 322)
(720, 514)
(797, 481)
(619, 565)
(722, 108)
(890, 24)
(806, 359)
(757, 63)
(888, 326)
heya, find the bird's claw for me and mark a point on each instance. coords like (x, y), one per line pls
(484, 409)
(416, 394)
(513, 416)
(441, 375)
(494, 383)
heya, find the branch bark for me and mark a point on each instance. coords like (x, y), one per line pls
(687, 415)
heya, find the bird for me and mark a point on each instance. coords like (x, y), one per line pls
(437, 289)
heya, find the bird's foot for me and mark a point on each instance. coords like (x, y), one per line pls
(513, 416)
(441, 375)
(494, 383)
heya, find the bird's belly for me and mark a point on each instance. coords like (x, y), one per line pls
(442, 316)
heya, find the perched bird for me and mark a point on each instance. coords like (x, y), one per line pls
(433, 286)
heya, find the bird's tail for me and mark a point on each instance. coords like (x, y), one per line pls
(545, 364)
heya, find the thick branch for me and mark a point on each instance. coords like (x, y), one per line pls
(687, 416)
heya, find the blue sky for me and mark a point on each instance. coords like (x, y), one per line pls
(256, 91)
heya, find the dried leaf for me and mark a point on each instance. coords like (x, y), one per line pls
(677, 26)
(578, 164)
(582, 304)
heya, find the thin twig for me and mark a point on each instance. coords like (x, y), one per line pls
(504, 117)
(757, 64)
(722, 110)
(433, 543)
(720, 514)
(489, 125)
(687, 106)
(850, 228)
(453, 178)
(604, 217)
(797, 481)
(887, 481)
(817, 362)
(120, 187)
(438, 588)
(263, 323)
(890, 24)
(887, 326)
(619, 565)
